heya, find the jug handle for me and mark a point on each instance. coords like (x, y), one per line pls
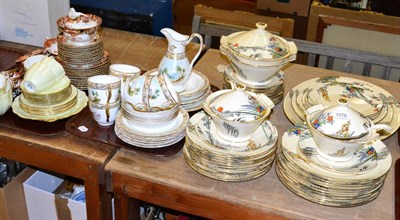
(198, 52)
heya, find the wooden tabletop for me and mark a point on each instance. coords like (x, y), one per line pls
(188, 191)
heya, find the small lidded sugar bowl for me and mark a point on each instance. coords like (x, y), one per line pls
(340, 130)
(237, 113)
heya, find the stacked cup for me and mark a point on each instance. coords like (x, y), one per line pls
(104, 98)
(125, 72)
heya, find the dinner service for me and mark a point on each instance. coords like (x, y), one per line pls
(368, 99)
(236, 121)
(175, 64)
(80, 48)
(217, 158)
(5, 94)
(341, 184)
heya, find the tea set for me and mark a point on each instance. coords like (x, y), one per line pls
(230, 138)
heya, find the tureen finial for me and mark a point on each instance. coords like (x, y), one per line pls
(74, 14)
(261, 25)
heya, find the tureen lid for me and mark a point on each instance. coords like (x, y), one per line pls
(240, 105)
(258, 43)
(341, 121)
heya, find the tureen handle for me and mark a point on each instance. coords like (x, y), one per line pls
(293, 51)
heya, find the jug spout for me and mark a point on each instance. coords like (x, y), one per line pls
(176, 41)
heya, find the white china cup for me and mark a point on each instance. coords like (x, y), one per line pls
(125, 72)
(42, 76)
(104, 114)
(104, 89)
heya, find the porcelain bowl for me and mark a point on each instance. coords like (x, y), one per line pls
(333, 149)
(237, 113)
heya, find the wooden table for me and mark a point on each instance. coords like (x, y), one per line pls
(170, 182)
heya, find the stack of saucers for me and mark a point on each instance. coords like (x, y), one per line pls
(150, 115)
(80, 47)
(341, 184)
(217, 158)
(196, 91)
(232, 141)
(47, 93)
(273, 88)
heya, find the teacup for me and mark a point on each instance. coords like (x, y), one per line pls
(104, 114)
(125, 72)
(43, 75)
(28, 63)
(104, 89)
(5, 97)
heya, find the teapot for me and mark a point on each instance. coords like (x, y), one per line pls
(175, 65)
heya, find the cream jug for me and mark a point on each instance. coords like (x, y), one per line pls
(175, 65)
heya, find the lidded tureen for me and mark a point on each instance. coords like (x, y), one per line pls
(257, 55)
(237, 113)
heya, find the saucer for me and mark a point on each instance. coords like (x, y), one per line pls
(202, 132)
(81, 103)
(265, 134)
(364, 160)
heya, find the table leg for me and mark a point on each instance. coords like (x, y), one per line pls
(97, 206)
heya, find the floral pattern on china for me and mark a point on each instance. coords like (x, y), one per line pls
(252, 110)
(274, 49)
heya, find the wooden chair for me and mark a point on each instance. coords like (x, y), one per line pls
(211, 19)
(314, 51)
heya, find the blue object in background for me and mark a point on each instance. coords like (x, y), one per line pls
(142, 16)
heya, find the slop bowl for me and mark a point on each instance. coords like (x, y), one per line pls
(237, 113)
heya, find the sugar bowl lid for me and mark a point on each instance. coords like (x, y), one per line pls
(258, 43)
(341, 121)
(239, 105)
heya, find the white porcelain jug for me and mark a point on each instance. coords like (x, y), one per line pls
(175, 65)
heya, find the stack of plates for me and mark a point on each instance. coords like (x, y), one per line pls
(50, 107)
(273, 88)
(196, 91)
(151, 137)
(82, 59)
(370, 100)
(340, 184)
(214, 157)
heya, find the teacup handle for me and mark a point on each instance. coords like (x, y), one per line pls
(198, 52)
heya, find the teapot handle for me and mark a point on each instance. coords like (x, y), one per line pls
(198, 52)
